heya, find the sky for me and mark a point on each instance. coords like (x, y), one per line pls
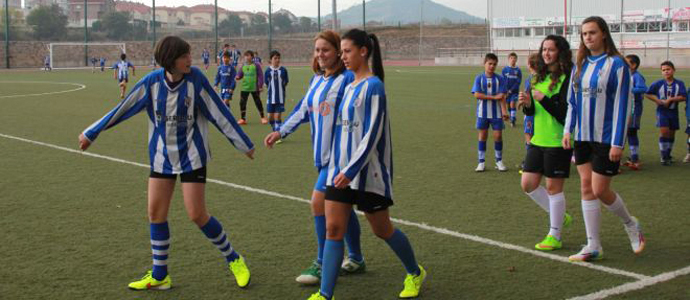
(309, 7)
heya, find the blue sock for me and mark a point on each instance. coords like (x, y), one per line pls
(332, 258)
(215, 233)
(634, 143)
(278, 124)
(670, 145)
(526, 146)
(482, 151)
(160, 243)
(512, 114)
(662, 147)
(402, 248)
(352, 238)
(320, 226)
(498, 149)
(272, 124)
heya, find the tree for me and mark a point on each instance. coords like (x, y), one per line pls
(48, 22)
(282, 22)
(116, 24)
(258, 25)
(230, 26)
(305, 24)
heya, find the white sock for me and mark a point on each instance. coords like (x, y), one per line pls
(618, 208)
(591, 210)
(556, 214)
(541, 197)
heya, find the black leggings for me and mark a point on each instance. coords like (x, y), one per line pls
(244, 96)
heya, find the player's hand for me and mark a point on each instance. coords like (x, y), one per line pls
(523, 99)
(227, 102)
(615, 154)
(250, 154)
(505, 116)
(237, 78)
(341, 181)
(538, 95)
(271, 139)
(566, 141)
(84, 143)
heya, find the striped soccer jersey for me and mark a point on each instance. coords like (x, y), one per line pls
(276, 80)
(122, 68)
(362, 140)
(599, 101)
(639, 89)
(663, 90)
(205, 55)
(490, 86)
(318, 107)
(178, 121)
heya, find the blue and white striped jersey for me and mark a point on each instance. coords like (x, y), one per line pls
(513, 77)
(663, 90)
(178, 121)
(489, 86)
(319, 107)
(362, 141)
(122, 68)
(276, 81)
(599, 101)
(205, 55)
(639, 89)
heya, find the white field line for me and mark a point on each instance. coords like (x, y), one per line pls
(635, 285)
(423, 226)
(79, 87)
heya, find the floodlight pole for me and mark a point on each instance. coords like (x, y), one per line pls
(270, 27)
(668, 33)
(421, 23)
(622, 27)
(86, 34)
(7, 34)
(364, 15)
(335, 16)
(215, 51)
(153, 25)
(318, 15)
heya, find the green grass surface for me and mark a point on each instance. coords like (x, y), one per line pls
(75, 226)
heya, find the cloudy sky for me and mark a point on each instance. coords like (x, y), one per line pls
(309, 7)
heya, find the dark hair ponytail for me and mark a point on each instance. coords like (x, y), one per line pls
(368, 40)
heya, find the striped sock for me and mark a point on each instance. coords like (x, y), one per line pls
(278, 123)
(482, 151)
(498, 149)
(160, 243)
(216, 234)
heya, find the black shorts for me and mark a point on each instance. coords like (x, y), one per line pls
(550, 162)
(196, 176)
(598, 155)
(366, 201)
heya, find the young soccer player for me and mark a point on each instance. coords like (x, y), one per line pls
(102, 63)
(226, 78)
(205, 56)
(276, 78)
(252, 83)
(122, 73)
(179, 99)
(360, 166)
(236, 55)
(513, 77)
(597, 119)
(489, 89)
(94, 60)
(639, 89)
(318, 107)
(533, 63)
(46, 63)
(667, 93)
(547, 103)
(257, 59)
(220, 54)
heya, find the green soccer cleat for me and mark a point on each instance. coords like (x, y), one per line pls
(318, 296)
(239, 268)
(149, 283)
(567, 220)
(310, 276)
(413, 283)
(549, 243)
(351, 266)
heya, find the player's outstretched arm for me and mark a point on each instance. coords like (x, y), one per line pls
(84, 143)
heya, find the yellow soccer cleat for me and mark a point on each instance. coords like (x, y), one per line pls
(149, 283)
(239, 268)
(413, 283)
(318, 296)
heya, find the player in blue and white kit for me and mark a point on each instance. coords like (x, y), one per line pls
(667, 93)
(46, 63)
(513, 76)
(93, 60)
(180, 103)
(598, 110)
(318, 107)
(235, 54)
(256, 59)
(226, 78)
(360, 169)
(490, 88)
(205, 56)
(276, 79)
(122, 73)
(221, 53)
(639, 89)
(533, 63)
(102, 63)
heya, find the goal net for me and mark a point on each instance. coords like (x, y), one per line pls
(72, 55)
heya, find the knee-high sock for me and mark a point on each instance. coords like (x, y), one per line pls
(332, 258)
(320, 226)
(498, 150)
(481, 151)
(619, 209)
(216, 234)
(556, 214)
(591, 210)
(352, 238)
(160, 244)
(541, 197)
(402, 248)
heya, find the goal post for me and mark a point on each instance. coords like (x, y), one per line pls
(71, 55)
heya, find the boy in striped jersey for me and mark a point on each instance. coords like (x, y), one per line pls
(639, 89)
(179, 102)
(122, 73)
(226, 78)
(513, 77)
(276, 78)
(205, 55)
(489, 89)
(666, 93)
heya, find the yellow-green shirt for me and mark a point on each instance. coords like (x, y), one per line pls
(548, 132)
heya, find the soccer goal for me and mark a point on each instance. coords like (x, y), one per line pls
(71, 55)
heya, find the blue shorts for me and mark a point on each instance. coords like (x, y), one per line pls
(122, 79)
(635, 121)
(225, 94)
(275, 108)
(320, 184)
(529, 125)
(512, 97)
(496, 124)
(666, 120)
(205, 61)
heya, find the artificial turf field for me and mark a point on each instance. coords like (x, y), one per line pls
(75, 226)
